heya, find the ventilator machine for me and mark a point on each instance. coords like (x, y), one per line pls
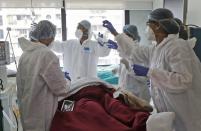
(8, 119)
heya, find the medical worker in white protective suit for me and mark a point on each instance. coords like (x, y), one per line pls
(39, 79)
(81, 54)
(127, 79)
(171, 65)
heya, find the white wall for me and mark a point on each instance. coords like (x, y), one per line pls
(176, 6)
(158, 4)
(139, 18)
(193, 13)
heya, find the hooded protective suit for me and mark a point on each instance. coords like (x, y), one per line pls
(175, 74)
(81, 60)
(135, 84)
(39, 84)
(128, 80)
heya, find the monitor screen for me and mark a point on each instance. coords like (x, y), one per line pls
(4, 53)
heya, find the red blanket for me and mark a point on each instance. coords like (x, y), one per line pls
(96, 110)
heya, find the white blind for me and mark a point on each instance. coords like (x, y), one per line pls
(29, 3)
(80, 4)
(110, 4)
(15, 3)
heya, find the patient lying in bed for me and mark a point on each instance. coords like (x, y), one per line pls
(96, 109)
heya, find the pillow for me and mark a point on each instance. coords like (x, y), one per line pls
(161, 121)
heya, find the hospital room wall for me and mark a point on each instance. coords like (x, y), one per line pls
(139, 18)
(176, 6)
(193, 12)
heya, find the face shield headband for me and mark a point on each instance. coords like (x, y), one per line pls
(169, 25)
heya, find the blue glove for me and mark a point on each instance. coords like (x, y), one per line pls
(66, 74)
(140, 70)
(112, 45)
(109, 26)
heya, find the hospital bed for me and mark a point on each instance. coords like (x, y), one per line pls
(153, 122)
(100, 106)
(105, 73)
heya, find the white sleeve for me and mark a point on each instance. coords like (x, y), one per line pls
(19, 80)
(192, 42)
(55, 78)
(179, 77)
(102, 51)
(133, 52)
(58, 46)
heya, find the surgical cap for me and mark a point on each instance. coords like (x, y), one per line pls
(182, 32)
(43, 30)
(166, 20)
(86, 24)
(178, 21)
(132, 31)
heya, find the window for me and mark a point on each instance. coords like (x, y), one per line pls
(59, 31)
(1, 20)
(1, 34)
(48, 17)
(23, 17)
(58, 16)
(12, 20)
(20, 19)
(96, 17)
(21, 31)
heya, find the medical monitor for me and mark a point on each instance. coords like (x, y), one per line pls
(4, 53)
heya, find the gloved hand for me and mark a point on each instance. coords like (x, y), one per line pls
(66, 75)
(112, 45)
(100, 39)
(140, 70)
(100, 35)
(109, 26)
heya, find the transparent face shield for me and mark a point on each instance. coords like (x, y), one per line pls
(169, 25)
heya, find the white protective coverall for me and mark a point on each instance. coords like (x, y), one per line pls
(136, 84)
(80, 60)
(39, 84)
(175, 73)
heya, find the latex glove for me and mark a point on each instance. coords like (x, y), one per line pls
(66, 74)
(109, 26)
(101, 39)
(140, 70)
(112, 45)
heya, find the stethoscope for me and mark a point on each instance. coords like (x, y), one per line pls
(1, 84)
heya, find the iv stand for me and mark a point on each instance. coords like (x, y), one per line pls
(8, 36)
